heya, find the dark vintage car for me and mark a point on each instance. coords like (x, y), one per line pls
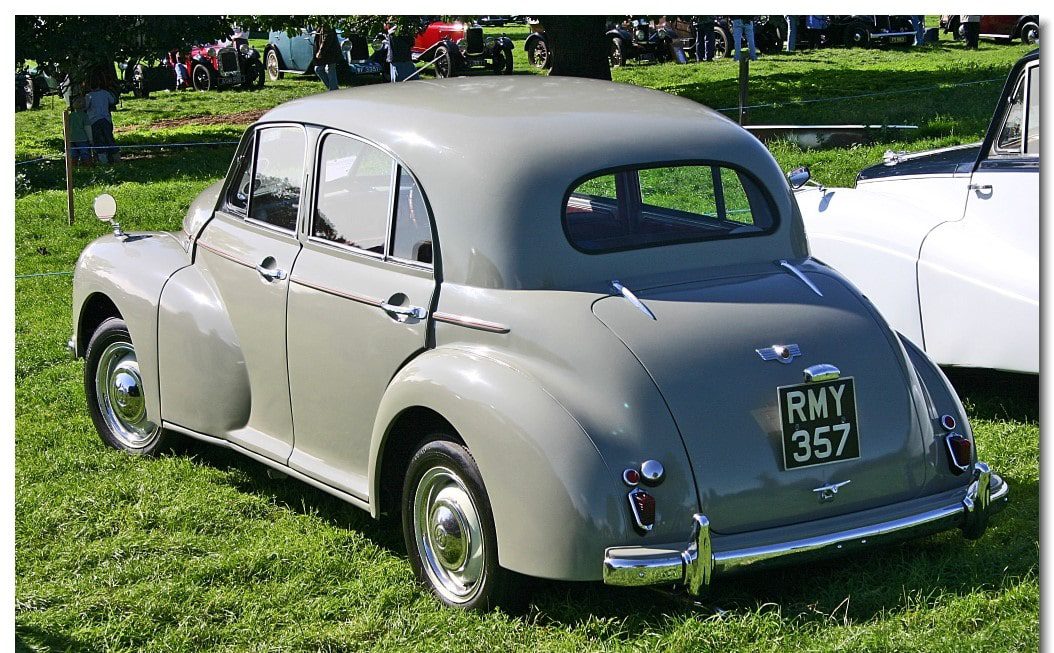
(213, 66)
(1003, 28)
(31, 84)
(295, 53)
(865, 31)
(454, 47)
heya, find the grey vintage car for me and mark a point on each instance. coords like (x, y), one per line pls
(581, 362)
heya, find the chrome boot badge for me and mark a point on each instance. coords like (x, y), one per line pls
(782, 353)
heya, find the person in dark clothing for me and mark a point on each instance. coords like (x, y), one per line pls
(327, 56)
(971, 30)
(704, 37)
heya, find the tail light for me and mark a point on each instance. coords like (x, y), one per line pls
(960, 452)
(642, 505)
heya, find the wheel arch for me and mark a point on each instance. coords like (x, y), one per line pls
(538, 465)
(96, 309)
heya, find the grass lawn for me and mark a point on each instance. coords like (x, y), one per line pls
(202, 551)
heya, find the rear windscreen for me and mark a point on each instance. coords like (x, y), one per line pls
(647, 207)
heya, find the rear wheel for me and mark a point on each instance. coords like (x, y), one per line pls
(449, 531)
(113, 385)
(203, 77)
(274, 69)
(139, 88)
(722, 43)
(1030, 33)
(29, 94)
(538, 54)
(857, 36)
(444, 63)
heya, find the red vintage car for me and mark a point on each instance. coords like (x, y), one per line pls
(212, 66)
(457, 46)
(1009, 28)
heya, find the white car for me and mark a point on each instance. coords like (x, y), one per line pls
(946, 243)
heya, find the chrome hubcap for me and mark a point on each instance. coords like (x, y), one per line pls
(449, 536)
(119, 392)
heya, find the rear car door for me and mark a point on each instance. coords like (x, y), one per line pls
(979, 276)
(247, 250)
(359, 301)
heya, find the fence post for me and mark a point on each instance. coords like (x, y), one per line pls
(69, 162)
(744, 75)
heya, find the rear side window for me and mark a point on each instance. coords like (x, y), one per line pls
(1032, 140)
(649, 207)
(354, 194)
(278, 176)
(412, 240)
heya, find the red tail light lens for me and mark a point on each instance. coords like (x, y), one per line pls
(642, 505)
(960, 452)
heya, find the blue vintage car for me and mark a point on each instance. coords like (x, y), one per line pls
(296, 54)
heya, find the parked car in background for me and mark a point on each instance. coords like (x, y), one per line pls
(866, 31)
(456, 47)
(213, 66)
(946, 243)
(628, 370)
(295, 54)
(1006, 28)
(32, 84)
(641, 38)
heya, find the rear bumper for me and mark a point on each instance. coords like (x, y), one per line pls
(696, 564)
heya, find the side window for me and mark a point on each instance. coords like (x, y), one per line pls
(238, 195)
(278, 177)
(710, 191)
(354, 194)
(412, 240)
(1032, 139)
(1009, 141)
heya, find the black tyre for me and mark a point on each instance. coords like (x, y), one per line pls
(114, 389)
(138, 82)
(202, 77)
(448, 527)
(29, 95)
(508, 61)
(444, 62)
(1030, 33)
(857, 36)
(722, 43)
(255, 74)
(274, 66)
(616, 55)
(538, 54)
(497, 64)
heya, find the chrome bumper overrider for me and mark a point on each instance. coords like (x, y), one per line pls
(695, 565)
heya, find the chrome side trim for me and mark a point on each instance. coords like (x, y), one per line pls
(362, 299)
(227, 255)
(628, 294)
(470, 322)
(696, 564)
(788, 266)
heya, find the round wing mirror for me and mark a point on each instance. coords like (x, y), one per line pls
(105, 207)
(799, 176)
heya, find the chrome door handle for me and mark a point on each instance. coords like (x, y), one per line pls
(984, 188)
(415, 312)
(271, 274)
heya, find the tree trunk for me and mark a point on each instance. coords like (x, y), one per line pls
(578, 46)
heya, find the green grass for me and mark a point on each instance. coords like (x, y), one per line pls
(200, 550)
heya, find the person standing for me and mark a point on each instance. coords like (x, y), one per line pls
(97, 105)
(918, 23)
(971, 30)
(792, 32)
(327, 56)
(704, 38)
(744, 25)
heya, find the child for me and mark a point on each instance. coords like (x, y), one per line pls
(80, 133)
(98, 104)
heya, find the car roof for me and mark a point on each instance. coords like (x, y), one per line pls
(496, 155)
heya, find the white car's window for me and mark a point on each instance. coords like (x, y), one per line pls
(354, 194)
(1032, 140)
(278, 176)
(1009, 141)
(412, 240)
(631, 209)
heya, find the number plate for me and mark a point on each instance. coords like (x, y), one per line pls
(819, 423)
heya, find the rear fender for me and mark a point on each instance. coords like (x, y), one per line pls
(556, 504)
(131, 274)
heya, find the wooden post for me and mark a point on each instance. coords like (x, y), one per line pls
(744, 75)
(69, 162)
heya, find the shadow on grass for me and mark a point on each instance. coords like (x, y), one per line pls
(861, 586)
(997, 395)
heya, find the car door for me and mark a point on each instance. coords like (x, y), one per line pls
(979, 276)
(302, 50)
(247, 250)
(359, 300)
